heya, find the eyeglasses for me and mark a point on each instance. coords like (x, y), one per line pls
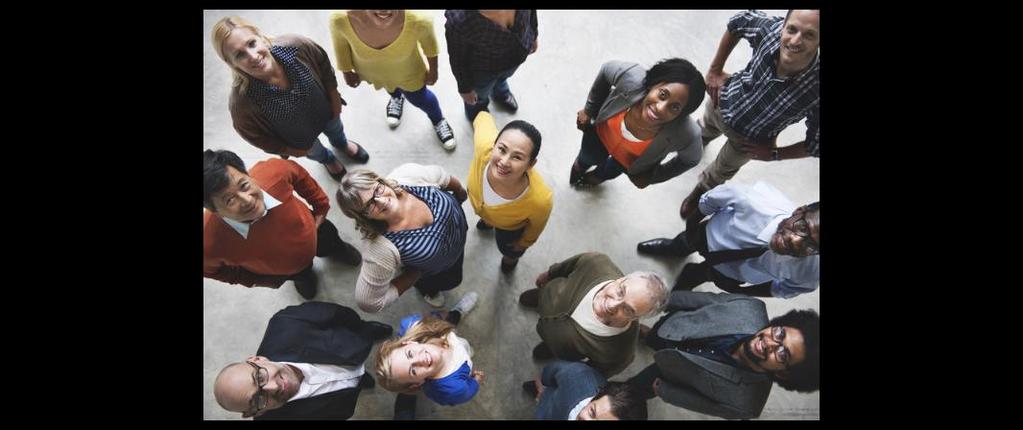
(262, 376)
(802, 229)
(778, 335)
(377, 192)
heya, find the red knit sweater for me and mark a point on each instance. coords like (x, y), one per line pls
(280, 244)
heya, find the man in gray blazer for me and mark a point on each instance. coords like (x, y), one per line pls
(570, 390)
(650, 109)
(719, 355)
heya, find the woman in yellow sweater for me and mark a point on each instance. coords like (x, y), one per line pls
(504, 189)
(382, 47)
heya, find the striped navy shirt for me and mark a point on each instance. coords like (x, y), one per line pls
(757, 103)
(435, 247)
(299, 114)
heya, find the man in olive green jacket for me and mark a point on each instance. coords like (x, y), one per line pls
(590, 311)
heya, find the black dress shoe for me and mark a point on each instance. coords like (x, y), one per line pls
(507, 101)
(660, 246)
(337, 176)
(306, 288)
(530, 388)
(367, 381)
(348, 254)
(361, 155)
(530, 298)
(508, 267)
(542, 352)
(377, 330)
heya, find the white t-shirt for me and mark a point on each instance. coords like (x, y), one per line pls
(490, 197)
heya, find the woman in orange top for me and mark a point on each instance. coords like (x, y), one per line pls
(635, 118)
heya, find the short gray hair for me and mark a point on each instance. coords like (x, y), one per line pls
(659, 290)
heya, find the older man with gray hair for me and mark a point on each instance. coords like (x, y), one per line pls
(590, 311)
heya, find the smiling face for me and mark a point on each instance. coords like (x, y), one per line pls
(623, 301)
(798, 235)
(242, 200)
(800, 37)
(413, 363)
(256, 386)
(382, 18)
(378, 202)
(249, 52)
(664, 102)
(510, 157)
(774, 349)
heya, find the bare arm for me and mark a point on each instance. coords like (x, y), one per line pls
(716, 73)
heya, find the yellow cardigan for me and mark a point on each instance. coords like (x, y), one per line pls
(398, 65)
(530, 211)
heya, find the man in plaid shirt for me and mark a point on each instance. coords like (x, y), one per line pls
(779, 87)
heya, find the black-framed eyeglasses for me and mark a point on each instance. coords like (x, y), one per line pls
(778, 335)
(261, 377)
(801, 228)
(377, 192)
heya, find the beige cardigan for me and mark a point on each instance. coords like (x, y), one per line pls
(381, 261)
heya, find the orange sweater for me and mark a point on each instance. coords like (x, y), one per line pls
(280, 244)
(623, 150)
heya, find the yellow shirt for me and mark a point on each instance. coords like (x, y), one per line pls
(398, 65)
(531, 210)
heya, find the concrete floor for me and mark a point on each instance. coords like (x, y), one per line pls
(550, 86)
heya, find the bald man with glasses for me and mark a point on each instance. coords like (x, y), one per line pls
(309, 366)
(754, 236)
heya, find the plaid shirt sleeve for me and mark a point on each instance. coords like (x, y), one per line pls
(458, 53)
(752, 26)
(813, 132)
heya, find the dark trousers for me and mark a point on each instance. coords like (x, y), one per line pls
(505, 239)
(443, 281)
(328, 241)
(592, 152)
(696, 274)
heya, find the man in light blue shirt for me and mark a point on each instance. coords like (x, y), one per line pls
(755, 235)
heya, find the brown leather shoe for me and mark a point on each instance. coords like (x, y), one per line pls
(530, 298)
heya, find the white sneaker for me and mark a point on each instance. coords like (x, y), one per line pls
(436, 301)
(446, 136)
(466, 303)
(394, 108)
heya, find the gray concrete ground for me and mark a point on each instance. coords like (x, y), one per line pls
(550, 86)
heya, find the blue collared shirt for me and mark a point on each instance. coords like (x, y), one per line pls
(243, 227)
(746, 216)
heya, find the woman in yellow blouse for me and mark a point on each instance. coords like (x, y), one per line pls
(504, 189)
(382, 47)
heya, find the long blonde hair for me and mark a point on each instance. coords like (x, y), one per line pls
(221, 30)
(429, 329)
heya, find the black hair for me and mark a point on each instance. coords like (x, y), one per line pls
(214, 173)
(677, 70)
(530, 131)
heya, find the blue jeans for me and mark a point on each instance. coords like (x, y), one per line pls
(335, 132)
(485, 86)
(424, 100)
(592, 151)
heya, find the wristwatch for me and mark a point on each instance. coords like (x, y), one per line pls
(775, 155)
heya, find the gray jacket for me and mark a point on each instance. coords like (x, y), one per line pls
(620, 85)
(701, 384)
